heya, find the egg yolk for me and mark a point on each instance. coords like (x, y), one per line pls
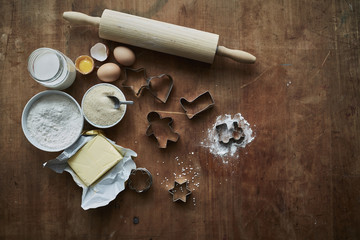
(85, 65)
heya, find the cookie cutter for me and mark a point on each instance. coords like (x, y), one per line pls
(140, 185)
(226, 135)
(180, 191)
(201, 103)
(156, 129)
(159, 86)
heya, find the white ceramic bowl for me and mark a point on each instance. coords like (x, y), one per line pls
(82, 105)
(25, 114)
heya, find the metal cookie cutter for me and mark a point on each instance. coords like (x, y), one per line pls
(180, 191)
(138, 80)
(140, 180)
(234, 134)
(161, 129)
(199, 104)
(159, 86)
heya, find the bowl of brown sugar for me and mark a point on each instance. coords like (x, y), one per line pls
(98, 108)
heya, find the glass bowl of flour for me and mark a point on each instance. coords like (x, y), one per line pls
(52, 120)
(98, 109)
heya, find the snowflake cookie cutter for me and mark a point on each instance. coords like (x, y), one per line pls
(159, 86)
(161, 129)
(140, 180)
(200, 104)
(232, 134)
(180, 191)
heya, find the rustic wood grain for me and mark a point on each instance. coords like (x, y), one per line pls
(298, 179)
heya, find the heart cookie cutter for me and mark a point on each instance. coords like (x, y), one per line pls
(159, 86)
(161, 129)
(200, 104)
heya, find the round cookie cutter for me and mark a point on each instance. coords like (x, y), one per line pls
(134, 184)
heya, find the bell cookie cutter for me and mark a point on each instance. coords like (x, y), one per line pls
(201, 103)
(180, 191)
(140, 180)
(161, 129)
(226, 135)
(159, 86)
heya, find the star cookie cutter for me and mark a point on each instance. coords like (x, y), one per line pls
(159, 86)
(140, 180)
(180, 191)
(232, 134)
(161, 129)
(201, 103)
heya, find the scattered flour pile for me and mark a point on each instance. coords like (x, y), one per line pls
(227, 150)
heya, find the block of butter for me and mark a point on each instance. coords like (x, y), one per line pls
(94, 159)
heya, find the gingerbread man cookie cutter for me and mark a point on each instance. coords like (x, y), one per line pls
(161, 129)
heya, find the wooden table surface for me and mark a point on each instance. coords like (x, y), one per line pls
(298, 179)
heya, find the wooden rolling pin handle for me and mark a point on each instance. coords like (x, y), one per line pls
(81, 18)
(236, 55)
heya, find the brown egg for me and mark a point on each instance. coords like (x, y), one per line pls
(124, 56)
(109, 72)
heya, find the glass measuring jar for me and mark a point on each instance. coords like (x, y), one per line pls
(51, 68)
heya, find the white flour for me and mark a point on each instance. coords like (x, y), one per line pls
(227, 150)
(54, 121)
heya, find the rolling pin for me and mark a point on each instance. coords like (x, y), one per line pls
(159, 36)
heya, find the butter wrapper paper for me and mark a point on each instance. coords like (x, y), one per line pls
(109, 186)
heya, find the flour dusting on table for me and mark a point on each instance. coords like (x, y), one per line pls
(227, 150)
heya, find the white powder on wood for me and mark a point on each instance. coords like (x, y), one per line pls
(54, 121)
(227, 150)
(99, 109)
